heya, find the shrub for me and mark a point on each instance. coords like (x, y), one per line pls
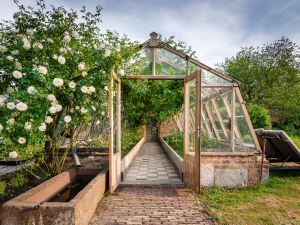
(19, 181)
(2, 188)
(259, 116)
(129, 139)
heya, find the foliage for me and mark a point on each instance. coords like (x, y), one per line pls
(2, 189)
(256, 205)
(296, 140)
(270, 78)
(130, 138)
(175, 140)
(259, 116)
(55, 65)
(19, 181)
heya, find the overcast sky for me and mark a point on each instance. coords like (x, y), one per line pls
(215, 29)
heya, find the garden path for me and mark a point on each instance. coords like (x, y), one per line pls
(150, 205)
(151, 166)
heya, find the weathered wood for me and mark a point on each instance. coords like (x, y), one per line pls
(153, 50)
(232, 146)
(111, 136)
(247, 118)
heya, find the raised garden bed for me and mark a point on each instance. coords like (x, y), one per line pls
(68, 198)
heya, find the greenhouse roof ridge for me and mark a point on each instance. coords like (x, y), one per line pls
(154, 42)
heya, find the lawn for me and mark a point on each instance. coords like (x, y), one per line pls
(277, 202)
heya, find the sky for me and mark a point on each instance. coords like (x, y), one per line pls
(215, 29)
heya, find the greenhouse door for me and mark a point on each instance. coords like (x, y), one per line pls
(115, 133)
(192, 113)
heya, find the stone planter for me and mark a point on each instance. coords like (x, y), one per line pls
(41, 206)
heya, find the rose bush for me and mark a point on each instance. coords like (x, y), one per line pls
(54, 69)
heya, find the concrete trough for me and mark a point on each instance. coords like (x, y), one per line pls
(36, 206)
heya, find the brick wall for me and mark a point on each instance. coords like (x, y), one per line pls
(166, 128)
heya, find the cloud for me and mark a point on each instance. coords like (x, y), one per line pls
(215, 29)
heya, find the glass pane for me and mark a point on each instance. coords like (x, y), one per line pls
(192, 114)
(168, 63)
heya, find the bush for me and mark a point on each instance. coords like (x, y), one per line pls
(129, 139)
(19, 181)
(175, 140)
(2, 188)
(259, 116)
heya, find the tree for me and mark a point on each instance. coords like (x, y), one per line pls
(55, 65)
(269, 77)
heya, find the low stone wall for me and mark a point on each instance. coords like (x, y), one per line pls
(32, 207)
(224, 169)
(126, 161)
(175, 158)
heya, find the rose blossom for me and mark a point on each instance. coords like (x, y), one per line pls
(49, 119)
(84, 73)
(11, 121)
(13, 155)
(21, 106)
(75, 35)
(81, 66)
(28, 125)
(17, 74)
(42, 70)
(42, 127)
(107, 52)
(10, 58)
(49, 40)
(15, 52)
(52, 98)
(67, 119)
(66, 39)
(61, 60)
(21, 140)
(72, 84)
(58, 82)
(121, 72)
(31, 90)
(106, 88)
(37, 45)
(10, 105)
(83, 110)
(3, 49)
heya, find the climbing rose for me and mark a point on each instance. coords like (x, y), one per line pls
(72, 84)
(67, 39)
(3, 49)
(121, 72)
(37, 45)
(52, 98)
(107, 52)
(42, 127)
(17, 74)
(84, 73)
(81, 66)
(10, 105)
(21, 140)
(61, 60)
(75, 35)
(83, 110)
(58, 82)
(49, 40)
(31, 90)
(15, 52)
(42, 70)
(49, 119)
(13, 155)
(28, 126)
(26, 44)
(67, 119)
(21, 106)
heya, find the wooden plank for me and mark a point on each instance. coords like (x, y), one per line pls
(216, 108)
(153, 50)
(111, 136)
(232, 146)
(247, 118)
(156, 77)
(212, 120)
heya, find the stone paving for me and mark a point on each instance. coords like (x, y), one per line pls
(150, 205)
(151, 166)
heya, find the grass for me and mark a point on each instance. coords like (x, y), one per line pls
(296, 140)
(277, 202)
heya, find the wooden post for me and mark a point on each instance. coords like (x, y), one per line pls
(153, 50)
(232, 120)
(119, 130)
(111, 136)
(198, 132)
(262, 160)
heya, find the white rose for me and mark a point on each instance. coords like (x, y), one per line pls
(61, 60)
(28, 125)
(26, 44)
(121, 72)
(42, 70)
(52, 109)
(91, 89)
(54, 57)
(17, 74)
(84, 89)
(72, 84)
(42, 127)
(106, 88)
(66, 39)
(30, 32)
(21, 140)
(81, 66)
(49, 119)
(1, 127)
(93, 108)
(52, 98)
(21, 106)
(10, 105)
(84, 73)
(118, 48)
(49, 40)
(97, 122)
(77, 107)
(10, 58)
(58, 108)
(107, 52)
(18, 65)
(2, 100)
(11, 121)
(63, 50)
(3, 49)
(67, 119)
(13, 155)
(37, 45)
(15, 52)
(83, 110)
(31, 90)
(102, 45)
(58, 82)
(102, 113)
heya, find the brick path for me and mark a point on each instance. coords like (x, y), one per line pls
(151, 166)
(150, 205)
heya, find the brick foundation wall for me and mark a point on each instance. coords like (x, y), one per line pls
(166, 128)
